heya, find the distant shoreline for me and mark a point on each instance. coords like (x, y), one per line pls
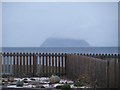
(96, 50)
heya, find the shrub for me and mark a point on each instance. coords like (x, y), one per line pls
(78, 83)
(58, 87)
(19, 83)
(83, 80)
(3, 83)
(65, 87)
(11, 79)
(42, 87)
(3, 80)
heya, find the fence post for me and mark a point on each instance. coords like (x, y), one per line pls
(42, 64)
(108, 73)
(30, 64)
(23, 64)
(119, 71)
(53, 69)
(46, 67)
(59, 64)
(34, 64)
(3, 63)
(0, 64)
(27, 64)
(7, 63)
(65, 62)
(50, 72)
(56, 63)
(62, 64)
(11, 63)
(21, 70)
(115, 68)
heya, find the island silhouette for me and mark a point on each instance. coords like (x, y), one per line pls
(64, 42)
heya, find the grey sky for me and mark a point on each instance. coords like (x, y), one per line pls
(0, 26)
(29, 24)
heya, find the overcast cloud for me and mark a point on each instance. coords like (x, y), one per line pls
(29, 24)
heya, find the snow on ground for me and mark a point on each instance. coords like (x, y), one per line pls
(34, 82)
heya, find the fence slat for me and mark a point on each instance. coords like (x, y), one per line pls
(24, 64)
(53, 63)
(30, 64)
(47, 58)
(50, 72)
(59, 64)
(34, 64)
(21, 70)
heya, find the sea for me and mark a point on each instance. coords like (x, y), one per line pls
(86, 50)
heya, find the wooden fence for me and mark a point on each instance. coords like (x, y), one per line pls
(105, 73)
(33, 64)
(0, 64)
(103, 68)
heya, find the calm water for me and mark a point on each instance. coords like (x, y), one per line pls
(99, 50)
